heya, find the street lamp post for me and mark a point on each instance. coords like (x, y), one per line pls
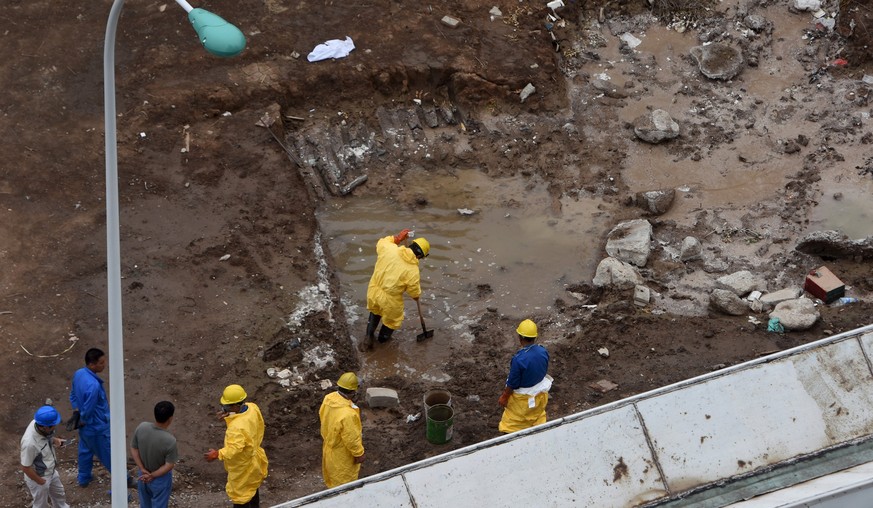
(219, 38)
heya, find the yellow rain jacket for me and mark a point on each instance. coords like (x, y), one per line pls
(526, 407)
(396, 271)
(244, 459)
(341, 432)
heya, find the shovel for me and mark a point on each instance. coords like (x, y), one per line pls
(426, 334)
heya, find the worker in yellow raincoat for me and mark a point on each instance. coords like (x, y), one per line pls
(343, 449)
(244, 459)
(527, 387)
(396, 272)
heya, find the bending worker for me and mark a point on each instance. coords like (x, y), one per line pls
(527, 388)
(343, 450)
(244, 459)
(396, 272)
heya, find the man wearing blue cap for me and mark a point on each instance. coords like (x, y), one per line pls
(39, 460)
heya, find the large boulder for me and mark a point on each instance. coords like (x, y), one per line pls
(630, 242)
(614, 273)
(656, 126)
(718, 61)
(799, 314)
(727, 302)
(741, 283)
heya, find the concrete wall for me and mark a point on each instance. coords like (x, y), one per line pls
(654, 446)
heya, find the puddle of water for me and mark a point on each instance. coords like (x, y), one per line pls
(513, 254)
(852, 213)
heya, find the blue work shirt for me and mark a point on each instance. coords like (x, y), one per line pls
(528, 367)
(88, 396)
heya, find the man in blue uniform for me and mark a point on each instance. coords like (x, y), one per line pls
(527, 387)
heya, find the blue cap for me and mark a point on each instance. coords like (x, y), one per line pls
(47, 416)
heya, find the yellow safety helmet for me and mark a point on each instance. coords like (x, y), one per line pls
(423, 244)
(348, 381)
(527, 328)
(233, 394)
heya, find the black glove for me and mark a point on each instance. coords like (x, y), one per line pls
(73, 423)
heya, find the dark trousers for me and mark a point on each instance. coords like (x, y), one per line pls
(254, 502)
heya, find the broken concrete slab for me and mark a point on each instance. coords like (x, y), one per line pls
(630, 241)
(616, 273)
(642, 295)
(726, 302)
(780, 296)
(741, 283)
(382, 397)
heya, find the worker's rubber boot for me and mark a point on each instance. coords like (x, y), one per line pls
(372, 323)
(385, 334)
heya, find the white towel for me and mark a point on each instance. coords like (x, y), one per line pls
(333, 48)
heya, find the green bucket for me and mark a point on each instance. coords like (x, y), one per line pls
(439, 423)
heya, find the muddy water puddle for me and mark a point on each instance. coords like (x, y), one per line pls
(513, 253)
(846, 201)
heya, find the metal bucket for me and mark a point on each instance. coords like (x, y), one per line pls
(437, 396)
(440, 419)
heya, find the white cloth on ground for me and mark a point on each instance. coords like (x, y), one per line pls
(333, 48)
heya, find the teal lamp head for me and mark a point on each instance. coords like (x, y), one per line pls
(217, 35)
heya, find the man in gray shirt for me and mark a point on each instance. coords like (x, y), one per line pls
(154, 450)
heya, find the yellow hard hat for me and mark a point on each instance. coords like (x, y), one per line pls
(233, 394)
(423, 244)
(527, 328)
(348, 381)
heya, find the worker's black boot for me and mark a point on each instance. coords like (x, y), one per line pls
(372, 323)
(385, 334)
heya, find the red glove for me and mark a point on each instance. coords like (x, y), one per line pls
(210, 455)
(399, 237)
(504, 397)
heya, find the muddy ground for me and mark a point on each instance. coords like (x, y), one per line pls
(199, 180)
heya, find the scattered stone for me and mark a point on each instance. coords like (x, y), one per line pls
(603, 352)
(780, 296)
(325, 384)
(630, 40)
(451, 22)
(756, 22)
(741, 283)
(656, 127)
(224, 257)
(615, 273)
(527, 91)
(495, 13)
(835, 244)
(642, 295)
(608, 89)
(656, 202)
(718, 61)
(465, 211)
(603, 386)
(806, 5)
(690, 249)
(727, 302)
(799, 314)
(382, 397)
(630, 241)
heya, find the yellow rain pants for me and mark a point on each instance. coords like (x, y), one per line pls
(244, 459)
(341, 432)
(396, 272)
(519, 415)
